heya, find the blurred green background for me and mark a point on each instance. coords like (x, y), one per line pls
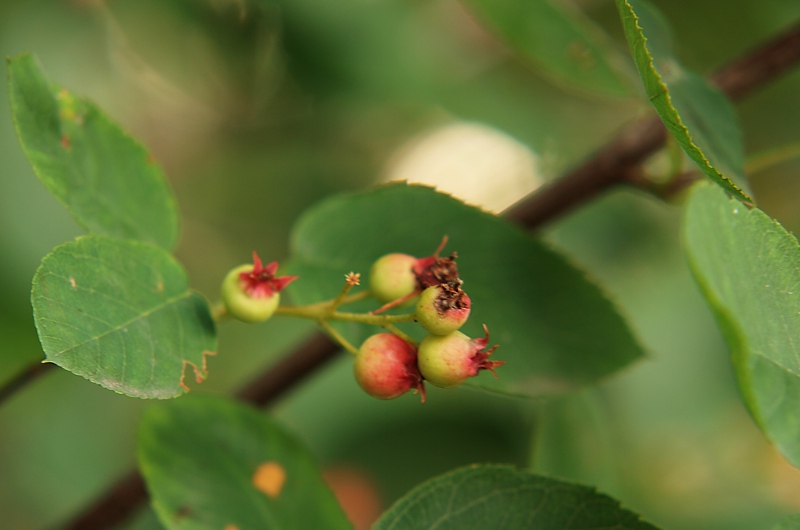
(257, 113)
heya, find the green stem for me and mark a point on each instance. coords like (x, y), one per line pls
(340, 298)
(335, 335)
(375, 320)
(772, 157)
(324, 306)
(675, 157)
(220, 313)
(318, 312)
(363, 295)
(394, 329)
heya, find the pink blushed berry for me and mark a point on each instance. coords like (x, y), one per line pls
(449, 360)
(386, 367)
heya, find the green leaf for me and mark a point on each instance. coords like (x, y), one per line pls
(556, 329)
(500, 497)
(748, 267)
(790, 523)
(120, 313)
(697, 114)
(560, 40)
(105, 178)
(211, 463)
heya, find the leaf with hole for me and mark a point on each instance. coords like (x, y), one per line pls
(211, 464)
(480, 497)
(120, 313)
(697, 114)
(556, 330)
(105, 178)
(748, 267)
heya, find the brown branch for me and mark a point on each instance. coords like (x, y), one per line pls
(30, 373)
(613, 164)
(756, 69)
(128, 494)
(609, 167)
(313, 354)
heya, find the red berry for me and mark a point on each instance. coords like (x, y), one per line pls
(449, 360)
(443, 308)
(386, 367)
(250, 292)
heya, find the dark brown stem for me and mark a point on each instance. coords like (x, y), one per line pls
(614, 163)
(118, 503)
(601, 172)
(611, 166)
(306, 359)
(29, 374)
(756, 69)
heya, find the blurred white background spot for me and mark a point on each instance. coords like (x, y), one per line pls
(474, 162)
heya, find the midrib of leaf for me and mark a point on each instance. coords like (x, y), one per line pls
(141, 316)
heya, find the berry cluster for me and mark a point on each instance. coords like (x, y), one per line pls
(445, 357)
(387, 364)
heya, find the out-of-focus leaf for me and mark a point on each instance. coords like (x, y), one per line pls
(748, 267)
(105, 178)
(120, 313)
(376, 48)
(697, 114)
(790, 523)
(556, 329)
(501, 497)
(212, 464)
(563, 43)
(573, 440)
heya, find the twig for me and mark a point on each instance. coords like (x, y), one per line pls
(29, 374)
(614, 164)
(607, 168)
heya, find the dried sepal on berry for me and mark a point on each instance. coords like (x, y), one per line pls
(449, 360)
(435, 270)
(251, 292)
(444, 308)
(395, 279)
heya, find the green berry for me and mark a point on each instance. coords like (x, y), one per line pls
(250, 292)
(392, 277)
(241, 305)
(449, 360)
(442, 309)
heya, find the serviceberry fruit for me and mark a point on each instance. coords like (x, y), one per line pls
(392, 277)
(395, 279)
(386, 367)
(251, 292)
(449, 360)
(444, 308)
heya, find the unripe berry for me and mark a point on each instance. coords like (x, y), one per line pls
(392, 277)
(386, 367)
(443, 309)
(449, 360)
(395, 279)
(250, 292)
